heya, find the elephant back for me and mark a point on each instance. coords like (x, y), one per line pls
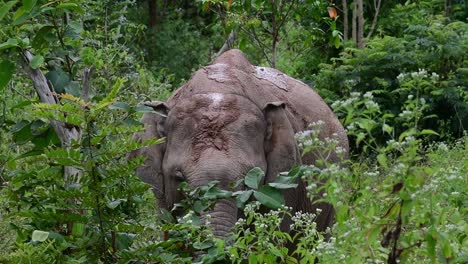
(232, 73)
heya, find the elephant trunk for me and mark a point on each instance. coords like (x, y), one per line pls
(223, 217)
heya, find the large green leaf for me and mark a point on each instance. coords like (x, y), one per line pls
(120, 106)
(29, 5)
(10, 43)
(43, 37)
(6, 72)
(5, 7)
(73, 88)
(59, 80)
(270, 197)
(254, 177)
(242, 197)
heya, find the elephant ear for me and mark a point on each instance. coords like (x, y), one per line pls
(151, 170)
(281, 149)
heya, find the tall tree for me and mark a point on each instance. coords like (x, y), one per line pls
(354, 24)
(345, 20)
(360, 29)
(153, 13)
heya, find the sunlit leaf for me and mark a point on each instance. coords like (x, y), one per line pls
(10, 43)
(37, 61)
(39, 236)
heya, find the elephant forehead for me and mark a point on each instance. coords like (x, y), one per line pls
(201, 104)
(216, 98)
(210, 128)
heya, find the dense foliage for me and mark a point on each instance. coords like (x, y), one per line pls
(403, 98)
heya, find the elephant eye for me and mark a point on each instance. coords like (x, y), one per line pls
(179, 176)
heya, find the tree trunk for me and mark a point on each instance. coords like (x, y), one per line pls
(447, 7)
(360, 31)
(153, 14)
(345, 21)
(274, 35)
(354, 26)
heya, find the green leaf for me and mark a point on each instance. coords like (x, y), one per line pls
(124, 240)
(78, 229)
(29, 5)
(37, 61)
(38, 127)
(279, 185)
(431, 242)
(43, 37)
(428, 132)
(20, 16)
(252, 259)
(71, 7)
(166, 216)
(6, 72)
(59, 80)
(120, 106)
(203, 245)
(10, 43)
(367, 124)
(143, 109)
(387, 129)
(39, 236)
(114, 203)
(254, 177)
(216, 193)
(382, 159)
(270, 197)
(5, 7)
(242, 197)
(73, 88)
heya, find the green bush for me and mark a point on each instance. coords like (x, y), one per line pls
(428, 63)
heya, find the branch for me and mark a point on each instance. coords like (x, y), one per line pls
(374, 21)
(262, 46)
(228, 44)
(87, 73)
(46, 95)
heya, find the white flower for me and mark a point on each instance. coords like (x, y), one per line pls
(368, 95)
(401, 76)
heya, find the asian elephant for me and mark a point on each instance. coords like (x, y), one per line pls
(229, 117)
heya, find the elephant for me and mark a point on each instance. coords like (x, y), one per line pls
(228, 118)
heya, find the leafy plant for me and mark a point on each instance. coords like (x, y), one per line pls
(91, 215)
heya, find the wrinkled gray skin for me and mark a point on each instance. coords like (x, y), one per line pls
(228, 118)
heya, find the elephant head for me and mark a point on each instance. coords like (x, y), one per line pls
(215, 136)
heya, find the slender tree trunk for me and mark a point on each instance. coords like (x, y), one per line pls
(354, 24)
(345, 21)
(447, 7)
(360, 31)
(376, 15)
(153, 14)
(274, 36)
